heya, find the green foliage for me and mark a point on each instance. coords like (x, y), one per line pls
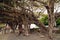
(44, 19)
(58, 21)
(2, 25)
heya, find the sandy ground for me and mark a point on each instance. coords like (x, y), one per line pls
(34, 36)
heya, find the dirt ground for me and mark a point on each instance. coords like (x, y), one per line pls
(33, 36)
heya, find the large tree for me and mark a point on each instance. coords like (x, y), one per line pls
(22, 12)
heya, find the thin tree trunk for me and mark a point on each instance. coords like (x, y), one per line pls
(20, 28)
(51, 18)
(26, 27)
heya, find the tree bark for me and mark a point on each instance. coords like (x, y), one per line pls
(26, 27)
(51, 18)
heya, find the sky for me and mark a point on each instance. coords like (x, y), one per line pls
(56, 8)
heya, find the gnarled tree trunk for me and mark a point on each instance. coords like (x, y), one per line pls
(51, 18)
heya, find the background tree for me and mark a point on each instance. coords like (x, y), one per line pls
(21, 11)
